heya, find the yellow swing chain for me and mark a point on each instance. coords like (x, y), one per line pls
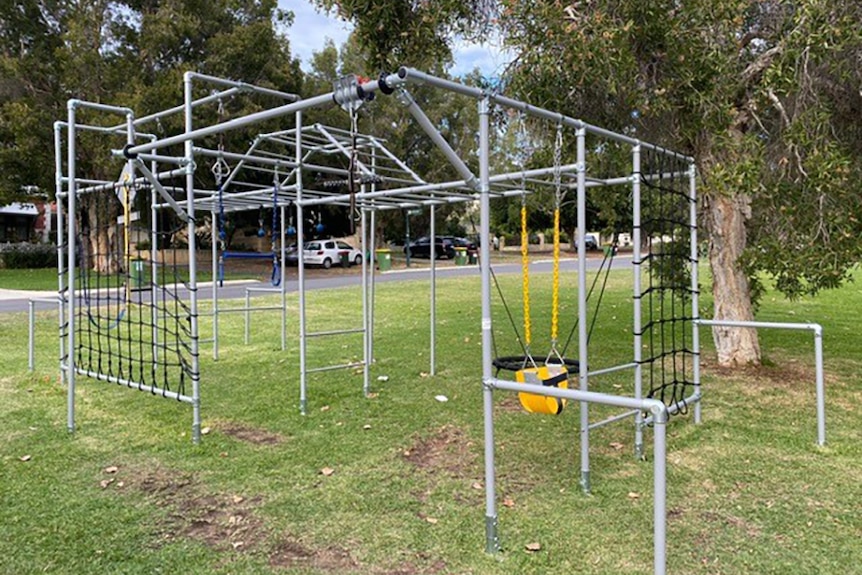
(525, 248)
(525, 273)
(558, 200)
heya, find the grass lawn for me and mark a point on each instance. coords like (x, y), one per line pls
(392, 485)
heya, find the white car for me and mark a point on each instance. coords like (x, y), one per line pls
(327, 252)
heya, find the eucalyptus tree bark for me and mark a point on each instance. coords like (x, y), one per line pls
(731, 291)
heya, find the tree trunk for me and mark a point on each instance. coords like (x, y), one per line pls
(106, 254)
(730, 287)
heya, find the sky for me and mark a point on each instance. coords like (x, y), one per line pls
(311, 29)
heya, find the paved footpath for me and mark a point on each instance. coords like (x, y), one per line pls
(18, 300)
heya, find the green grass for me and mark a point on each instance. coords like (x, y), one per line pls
(749, 491)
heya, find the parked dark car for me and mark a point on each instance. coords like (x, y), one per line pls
(461, 243)
(421, 248)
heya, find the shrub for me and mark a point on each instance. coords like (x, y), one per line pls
(26, 255)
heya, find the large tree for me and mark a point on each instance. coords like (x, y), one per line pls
(765, 94)
(124, 52)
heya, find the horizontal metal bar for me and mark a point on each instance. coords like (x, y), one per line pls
(334, 367)
(242, 86)
(334, 332)
(261, 308)
(263, 289)
(45, 300)
(758, 324)
(177, 109)
(74, 103)
(613, 418)
(612, 369)
(178, 160)
(317, 101)
(652, 405)
(477, 93)
(135, 385)
(498, 178)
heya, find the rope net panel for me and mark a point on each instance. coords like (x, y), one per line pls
(132, 321)
(666, 294)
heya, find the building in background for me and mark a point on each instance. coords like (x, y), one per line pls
(28, 221)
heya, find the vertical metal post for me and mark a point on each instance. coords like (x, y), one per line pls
(637, 326)
(300, 244)
(492, 541)
(433, 252)
(821, 395)
(581, 136)
(215, 279)
(193, 272)
(407, 238)
(660, 492)
(127, 211)
(70, 267)
(373, 251)
(247, 313)
(154, 272)
(283, 279)
(695, 313)
(31, 352)
(366, 373)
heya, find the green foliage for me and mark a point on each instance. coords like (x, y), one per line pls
(27, 255)
(125, 52)
(404, 32)
(762, 94)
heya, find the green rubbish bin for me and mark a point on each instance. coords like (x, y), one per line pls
(344, 258)
(460, 256)
(138, 273)
(472, 257)
(384, 260)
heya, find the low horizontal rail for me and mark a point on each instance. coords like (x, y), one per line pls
(818, 358)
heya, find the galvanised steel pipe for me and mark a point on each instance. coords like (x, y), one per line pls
(818, 358)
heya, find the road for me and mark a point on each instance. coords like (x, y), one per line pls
(18, 300)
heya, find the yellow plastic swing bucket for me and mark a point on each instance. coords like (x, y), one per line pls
(550, 375)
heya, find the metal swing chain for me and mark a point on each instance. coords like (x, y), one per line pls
(275, 278)
(558, 200)
(351, 173)
(221, 170)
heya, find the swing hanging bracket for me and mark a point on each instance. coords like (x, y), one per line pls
(348, 93)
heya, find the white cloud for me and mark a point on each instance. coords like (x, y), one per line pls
(489, 57)
(311, 29)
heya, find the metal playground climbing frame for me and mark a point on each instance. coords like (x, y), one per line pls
(133, 320)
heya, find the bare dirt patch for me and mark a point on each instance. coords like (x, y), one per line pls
(411, 569)
(290, 553)
(750, 530)
(447, 450)
(249, 434)
(221, 521)
(510, 404)
(784, 372)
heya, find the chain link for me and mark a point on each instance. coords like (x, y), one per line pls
(558, 162)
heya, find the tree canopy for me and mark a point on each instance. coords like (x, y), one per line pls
(764, 94)
(132, 52)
